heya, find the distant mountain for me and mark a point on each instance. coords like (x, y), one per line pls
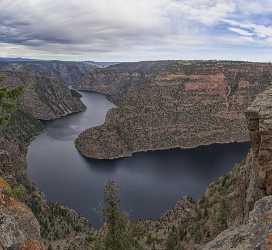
(67, 72)
(16, 59)
(102, 64)
(22, 59)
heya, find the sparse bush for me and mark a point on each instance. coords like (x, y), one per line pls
(17, 192)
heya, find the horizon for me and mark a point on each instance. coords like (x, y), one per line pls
(30, 59)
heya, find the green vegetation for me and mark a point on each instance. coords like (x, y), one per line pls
(119, 232)
(8, 99)
(173, 240)
(17, 192)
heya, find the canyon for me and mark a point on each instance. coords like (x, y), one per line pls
(30, 220)
(171, 104)
(161, 105)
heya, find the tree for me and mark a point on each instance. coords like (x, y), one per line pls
(8, 97)
(173, 242)
(119, 235)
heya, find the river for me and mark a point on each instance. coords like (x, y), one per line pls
(150, 183)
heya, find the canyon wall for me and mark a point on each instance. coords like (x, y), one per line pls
(19, 227)
(44, 97)
(171, 104)
(66, 72)
(31, 219)
(256, 232)
(235, 211)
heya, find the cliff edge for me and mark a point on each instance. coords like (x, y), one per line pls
(235, 211)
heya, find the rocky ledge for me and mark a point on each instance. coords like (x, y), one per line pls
(19, 229)
(172, 104)
(256, 234)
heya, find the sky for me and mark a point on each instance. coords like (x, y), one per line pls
(136, 30)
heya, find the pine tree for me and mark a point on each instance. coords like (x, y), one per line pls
(119, 234)
(173, 240)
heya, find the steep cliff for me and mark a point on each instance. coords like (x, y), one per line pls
(172, 104)
(255, 234)
(18, 225)
(45, 98)
(234, 208)
(67, 72)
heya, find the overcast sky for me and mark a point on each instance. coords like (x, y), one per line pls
(132, 30)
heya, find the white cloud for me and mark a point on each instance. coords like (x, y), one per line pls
(260, 31)
(241, 32)
(97, 28)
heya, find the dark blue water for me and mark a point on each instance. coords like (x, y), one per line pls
(150, 183)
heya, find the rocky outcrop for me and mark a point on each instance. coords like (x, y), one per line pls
(33, 245)
(256, 234)
(259, 117)
(18, 224)
(172, 104)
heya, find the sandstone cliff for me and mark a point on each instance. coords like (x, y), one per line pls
(172, 104)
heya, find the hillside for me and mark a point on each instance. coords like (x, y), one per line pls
(34, 218)
(171, 104)
(66, 72)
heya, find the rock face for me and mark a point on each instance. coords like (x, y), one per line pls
(234, 207)
(172, 104)
(57, 224)
(256, 234)
(67, 72)
(259, 117)
(18, 224)
(14, 140)
(45, 98)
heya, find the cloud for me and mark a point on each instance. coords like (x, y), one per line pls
(260, 31)
(115, 28)
(241, 32)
